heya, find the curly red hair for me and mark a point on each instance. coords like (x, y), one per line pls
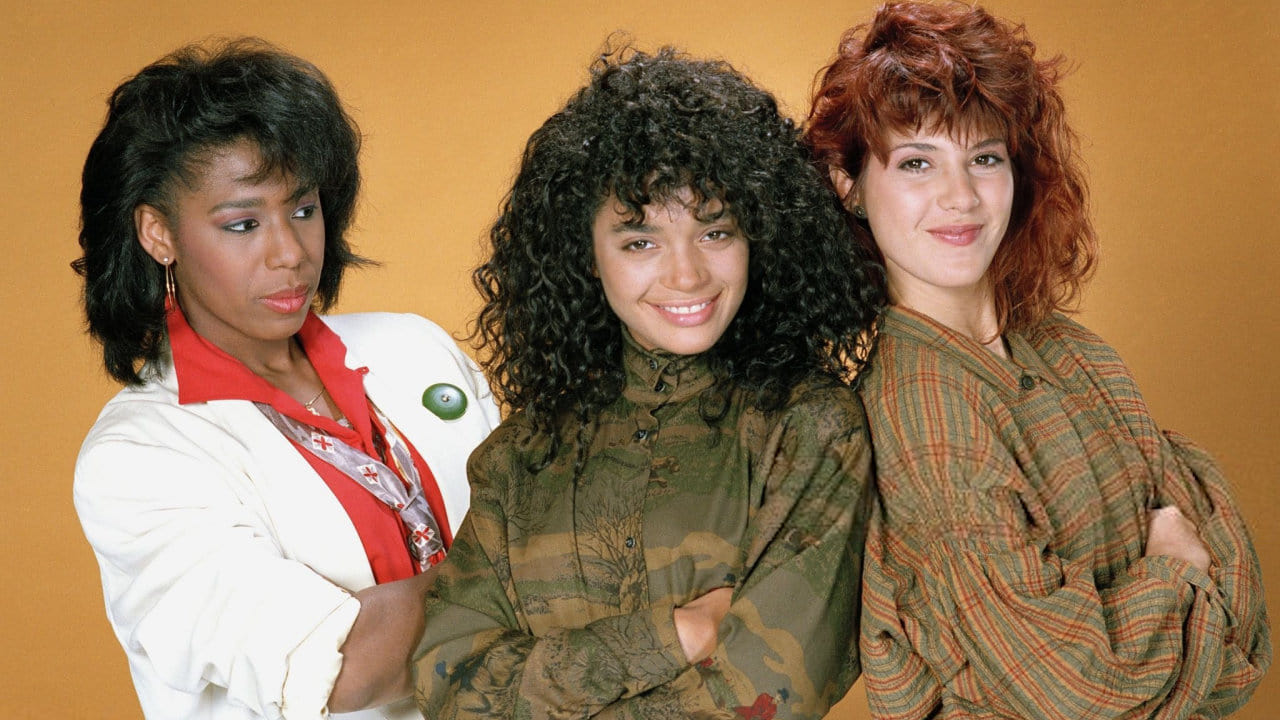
(956, 69)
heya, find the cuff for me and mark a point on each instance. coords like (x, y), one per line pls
(1173, 570)
(315, 663)
(645, 644)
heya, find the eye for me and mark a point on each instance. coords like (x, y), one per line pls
(988, 160)
(638, 244)
(305, 212)
(241, 226)
(914, 164)
(718, 235)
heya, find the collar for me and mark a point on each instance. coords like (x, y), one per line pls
(207, 373)
(656, 377)
(1007, 374)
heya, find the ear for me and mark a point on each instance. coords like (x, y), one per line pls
(846, 188)
(154, 234)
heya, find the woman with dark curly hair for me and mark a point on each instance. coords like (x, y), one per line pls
(266, 493)
(1039, 549)
(670, 522)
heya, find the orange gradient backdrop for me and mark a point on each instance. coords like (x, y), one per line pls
(1177, 104)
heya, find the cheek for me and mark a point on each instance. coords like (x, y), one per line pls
(616, 281)
(314, 239)
(999, 195)
(735, 267)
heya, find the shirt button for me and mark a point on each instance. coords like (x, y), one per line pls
(1027, 382)
(653, 364)
(630, 542)
(660, 386)
(641, 434)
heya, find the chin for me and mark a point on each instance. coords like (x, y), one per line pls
(688, 346)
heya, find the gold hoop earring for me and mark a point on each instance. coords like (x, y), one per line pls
(170, 285)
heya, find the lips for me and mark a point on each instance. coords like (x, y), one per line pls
(958, 235)
(687, 313)
(287, 301)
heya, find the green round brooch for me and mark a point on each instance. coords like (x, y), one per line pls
(447, 401)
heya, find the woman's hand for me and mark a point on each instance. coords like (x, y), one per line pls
(698, 623)
(1169, 532)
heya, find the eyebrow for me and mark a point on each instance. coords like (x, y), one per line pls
(629, 226)
(256, 202)
(927, 146)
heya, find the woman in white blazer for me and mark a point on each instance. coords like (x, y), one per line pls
(268, 494)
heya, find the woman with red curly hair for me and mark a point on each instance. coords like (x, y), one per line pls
(1040, 547)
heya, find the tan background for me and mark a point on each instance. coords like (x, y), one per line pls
(1177, 103)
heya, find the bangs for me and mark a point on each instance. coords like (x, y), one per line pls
(909, 103)
(705, 199)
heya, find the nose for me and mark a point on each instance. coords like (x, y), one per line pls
(958, 192)
(285, 247)
(685, 268)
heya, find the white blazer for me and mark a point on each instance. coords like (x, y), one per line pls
(227, 564)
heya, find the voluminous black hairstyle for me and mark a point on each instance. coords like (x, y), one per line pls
(644, 129)
(161, 124)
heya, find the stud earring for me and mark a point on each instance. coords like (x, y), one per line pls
(859, 212)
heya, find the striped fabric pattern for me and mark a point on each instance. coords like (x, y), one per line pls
(1004, 572)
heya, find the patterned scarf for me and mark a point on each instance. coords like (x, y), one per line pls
(424, 539)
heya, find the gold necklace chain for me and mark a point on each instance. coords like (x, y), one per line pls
(310, 404)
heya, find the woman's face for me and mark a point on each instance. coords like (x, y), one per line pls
(938, 208)
(246, 253)
(675, 281)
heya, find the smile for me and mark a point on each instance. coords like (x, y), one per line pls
(684, 309)
(956, 234)
(688, 314)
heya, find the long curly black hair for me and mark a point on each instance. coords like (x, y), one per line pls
(646, 128)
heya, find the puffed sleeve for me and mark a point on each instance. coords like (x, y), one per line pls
(788, 646)
(1194, 482)
(969, 606)
(478, 658)
(195, 586)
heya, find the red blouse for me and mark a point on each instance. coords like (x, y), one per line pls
(207, 373)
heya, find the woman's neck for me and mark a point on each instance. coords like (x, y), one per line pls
(969, 311)
(279, 360)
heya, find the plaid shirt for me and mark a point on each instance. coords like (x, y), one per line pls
(1005, 574)
(556, 599)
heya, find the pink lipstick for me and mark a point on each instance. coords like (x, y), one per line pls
(687, 313)
(288, 301)
(959, 235)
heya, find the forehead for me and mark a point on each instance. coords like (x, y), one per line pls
(966, 130)
(239, 163)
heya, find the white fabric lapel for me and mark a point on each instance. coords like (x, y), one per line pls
(310, 524)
